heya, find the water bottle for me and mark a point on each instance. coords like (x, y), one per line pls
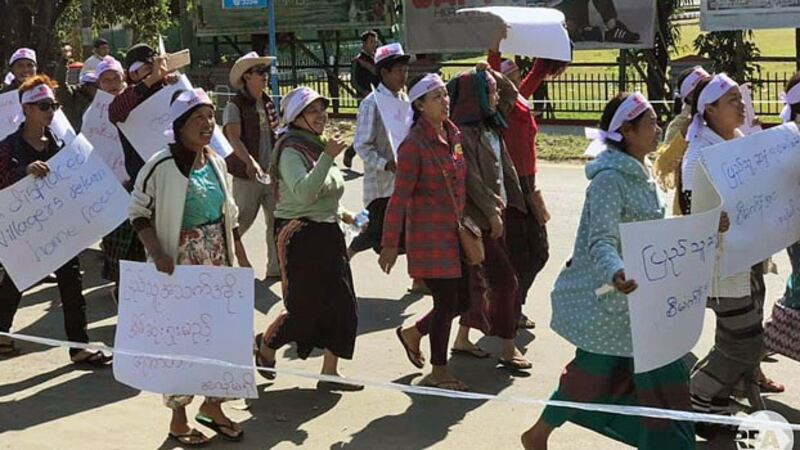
(358, 225)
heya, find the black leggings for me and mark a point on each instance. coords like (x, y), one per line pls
(70, 286)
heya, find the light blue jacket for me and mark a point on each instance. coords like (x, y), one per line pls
(620, 190)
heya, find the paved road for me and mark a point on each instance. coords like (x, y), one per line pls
(45, 403)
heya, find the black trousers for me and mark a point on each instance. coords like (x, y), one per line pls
(577, 11)
(70, 287)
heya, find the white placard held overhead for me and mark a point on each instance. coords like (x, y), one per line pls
(672, 261)
(104, 136)
(537, 32)
(757, 178)
(397, 117)
(45, 222)
(199, 313)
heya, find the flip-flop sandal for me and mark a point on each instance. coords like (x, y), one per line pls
(459, 385)
(415, 358)
(96, 359)
(476, 352)
(190, 439)
(8, 350)
(342, 387)
(770, 386)
(219, 427)
(260, 362)
(515, 364)
(526, 323)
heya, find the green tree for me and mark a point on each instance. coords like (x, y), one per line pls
(45, 24)
(732, 52)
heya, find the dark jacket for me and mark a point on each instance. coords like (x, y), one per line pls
(364, 74)
(118, 111)
(16, 154)
(251, 129)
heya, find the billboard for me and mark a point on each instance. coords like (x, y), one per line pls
(433, 26)
(725, 15)
(212, 18)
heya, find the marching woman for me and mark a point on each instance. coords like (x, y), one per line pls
(780, 331)
(25, 152)
(525, 231)
(183, 212)
(738, 301)
(428, 198)
(315, 272)
(492, 188)
(589, 301)
(667, 166)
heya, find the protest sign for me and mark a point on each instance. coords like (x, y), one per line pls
(45, 222)
(756, 176)
(103, 135)
(537, 32)
(397, 117)
(10, 112)
(198, 313)
(728, 15)
(147, 123)
(61, 127)
(672, 261)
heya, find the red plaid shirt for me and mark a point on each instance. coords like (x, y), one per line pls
(421, 201)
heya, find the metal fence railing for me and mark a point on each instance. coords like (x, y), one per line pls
(570, 96)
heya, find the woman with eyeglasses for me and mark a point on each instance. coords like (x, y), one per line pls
(25, 152)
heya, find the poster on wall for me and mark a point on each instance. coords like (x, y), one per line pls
(726, 15)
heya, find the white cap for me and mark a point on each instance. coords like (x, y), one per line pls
(184, 103)
(508, 66)
(109, 63)
(297, 100)
(88, 77)
(22, 53)
(389, 51)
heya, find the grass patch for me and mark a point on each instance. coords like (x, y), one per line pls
(561, 148)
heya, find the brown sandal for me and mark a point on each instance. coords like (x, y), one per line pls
(95, 359)
(415, 358)
(193, 438)
(260, 361)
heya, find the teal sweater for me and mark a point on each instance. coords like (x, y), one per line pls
(620, 190)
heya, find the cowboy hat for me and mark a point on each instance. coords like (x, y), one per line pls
(244, 64)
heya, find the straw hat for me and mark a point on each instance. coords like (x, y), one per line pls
(244, 64)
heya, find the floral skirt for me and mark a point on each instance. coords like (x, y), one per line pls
(201, 246)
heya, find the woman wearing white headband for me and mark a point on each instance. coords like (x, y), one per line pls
(429, 196)
(183, 212)
(590, 308)
(25, 152)
(318, 290)
(717, 113)
(667, 166)
(780, 331)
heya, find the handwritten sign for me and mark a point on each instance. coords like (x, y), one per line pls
(104, 136)
(199, 313)
(10, 112)
(61, 127)
(147, 123)
(45, 222)
(757, 178)
(397, 117)
(672, 261)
